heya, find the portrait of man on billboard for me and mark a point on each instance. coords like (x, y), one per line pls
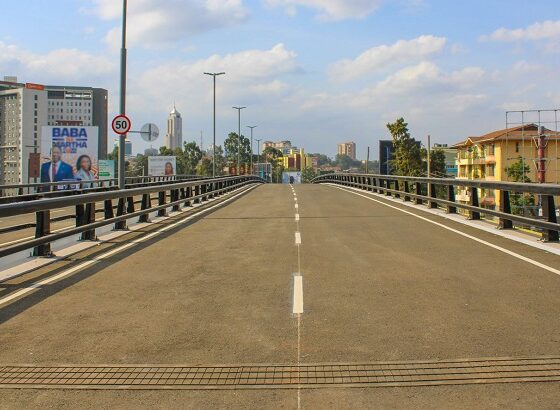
(56, 170)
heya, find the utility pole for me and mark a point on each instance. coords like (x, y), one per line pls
(258, 151)
(239, 138)
(214, 75)
(252, 127)
(429, 157)
(122, 138)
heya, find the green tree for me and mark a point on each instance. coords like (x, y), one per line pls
(407, 156)
(233, 146)
(437, 162)
(344, 161)
(308, 174)
(322, 159)
(272, 156)
(517, 172)
(191, 157)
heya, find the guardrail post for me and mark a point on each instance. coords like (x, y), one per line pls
(130, 205)
(89, 218)
(161, 201)
(549, 212)
(197, 193)
(188, 194)
(505, 207)
(407, 191)
(387, 187)
(474, 215)
(108, 209)
(121, 225)
(374, 189)
(418, 189)
(451, 198)
(175, 198)
(433, 194)
(397, 188)
(146, 204)
(42, 228)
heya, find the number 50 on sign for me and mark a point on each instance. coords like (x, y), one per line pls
(121, 124)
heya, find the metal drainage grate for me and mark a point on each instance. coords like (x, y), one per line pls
(379, 374)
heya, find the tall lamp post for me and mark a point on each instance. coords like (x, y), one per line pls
(239, 138)
(214, 75)
(122, 137)
(252, 127)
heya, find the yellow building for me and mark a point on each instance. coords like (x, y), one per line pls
(486, 157)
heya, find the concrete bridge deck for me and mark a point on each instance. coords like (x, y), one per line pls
(382, 285)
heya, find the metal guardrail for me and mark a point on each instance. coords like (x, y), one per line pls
(179, 193)
(46, 188)
(425, 191)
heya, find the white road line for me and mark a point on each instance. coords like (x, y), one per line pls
(297, 206)
(295, 198)
(101, 257)
(474, 238)
(297, 217)
(298, 294)
(298, 238)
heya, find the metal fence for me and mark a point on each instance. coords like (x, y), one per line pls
(441, 192)
(47, 188)
(169, 194)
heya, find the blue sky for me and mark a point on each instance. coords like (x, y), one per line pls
(317, 72)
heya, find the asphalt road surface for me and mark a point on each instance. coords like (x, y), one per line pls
(348, 281)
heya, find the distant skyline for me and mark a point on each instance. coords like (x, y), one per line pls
(317, 73)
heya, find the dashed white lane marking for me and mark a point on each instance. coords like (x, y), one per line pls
(295, 198)
(298, 238)
(474, 238)
(297, 217)
(297, 206)
(106, 255)
(298, 294)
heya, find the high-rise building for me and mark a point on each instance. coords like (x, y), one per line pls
(26, 107)
(80, 107)
(127, 146)
(347, 148)
(386, 151)
(174, 136)
(23, 111)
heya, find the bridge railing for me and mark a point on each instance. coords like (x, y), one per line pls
(50, 189)
(172, 194)
(441, 192)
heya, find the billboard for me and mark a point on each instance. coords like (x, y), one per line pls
(291, 177)
(159, 166)
(69, 153)
(106, 169)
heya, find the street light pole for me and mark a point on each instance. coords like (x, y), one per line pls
(239, 138)
(214, 75)
(252, 127)
(122, 138)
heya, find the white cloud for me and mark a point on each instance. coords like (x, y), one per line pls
(331, 9)
(380, 57)
(58, 66)
(156, 23)
(545, 30)
(252, 77)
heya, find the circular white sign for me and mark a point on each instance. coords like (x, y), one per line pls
(149, 132)
(121, 124)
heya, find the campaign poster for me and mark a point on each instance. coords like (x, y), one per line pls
(106, 169)
(291, 177)
(69, 153)
(159, 166)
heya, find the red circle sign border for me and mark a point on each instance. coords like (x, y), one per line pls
(124, 117)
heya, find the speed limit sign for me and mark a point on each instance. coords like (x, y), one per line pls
(121, 124)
